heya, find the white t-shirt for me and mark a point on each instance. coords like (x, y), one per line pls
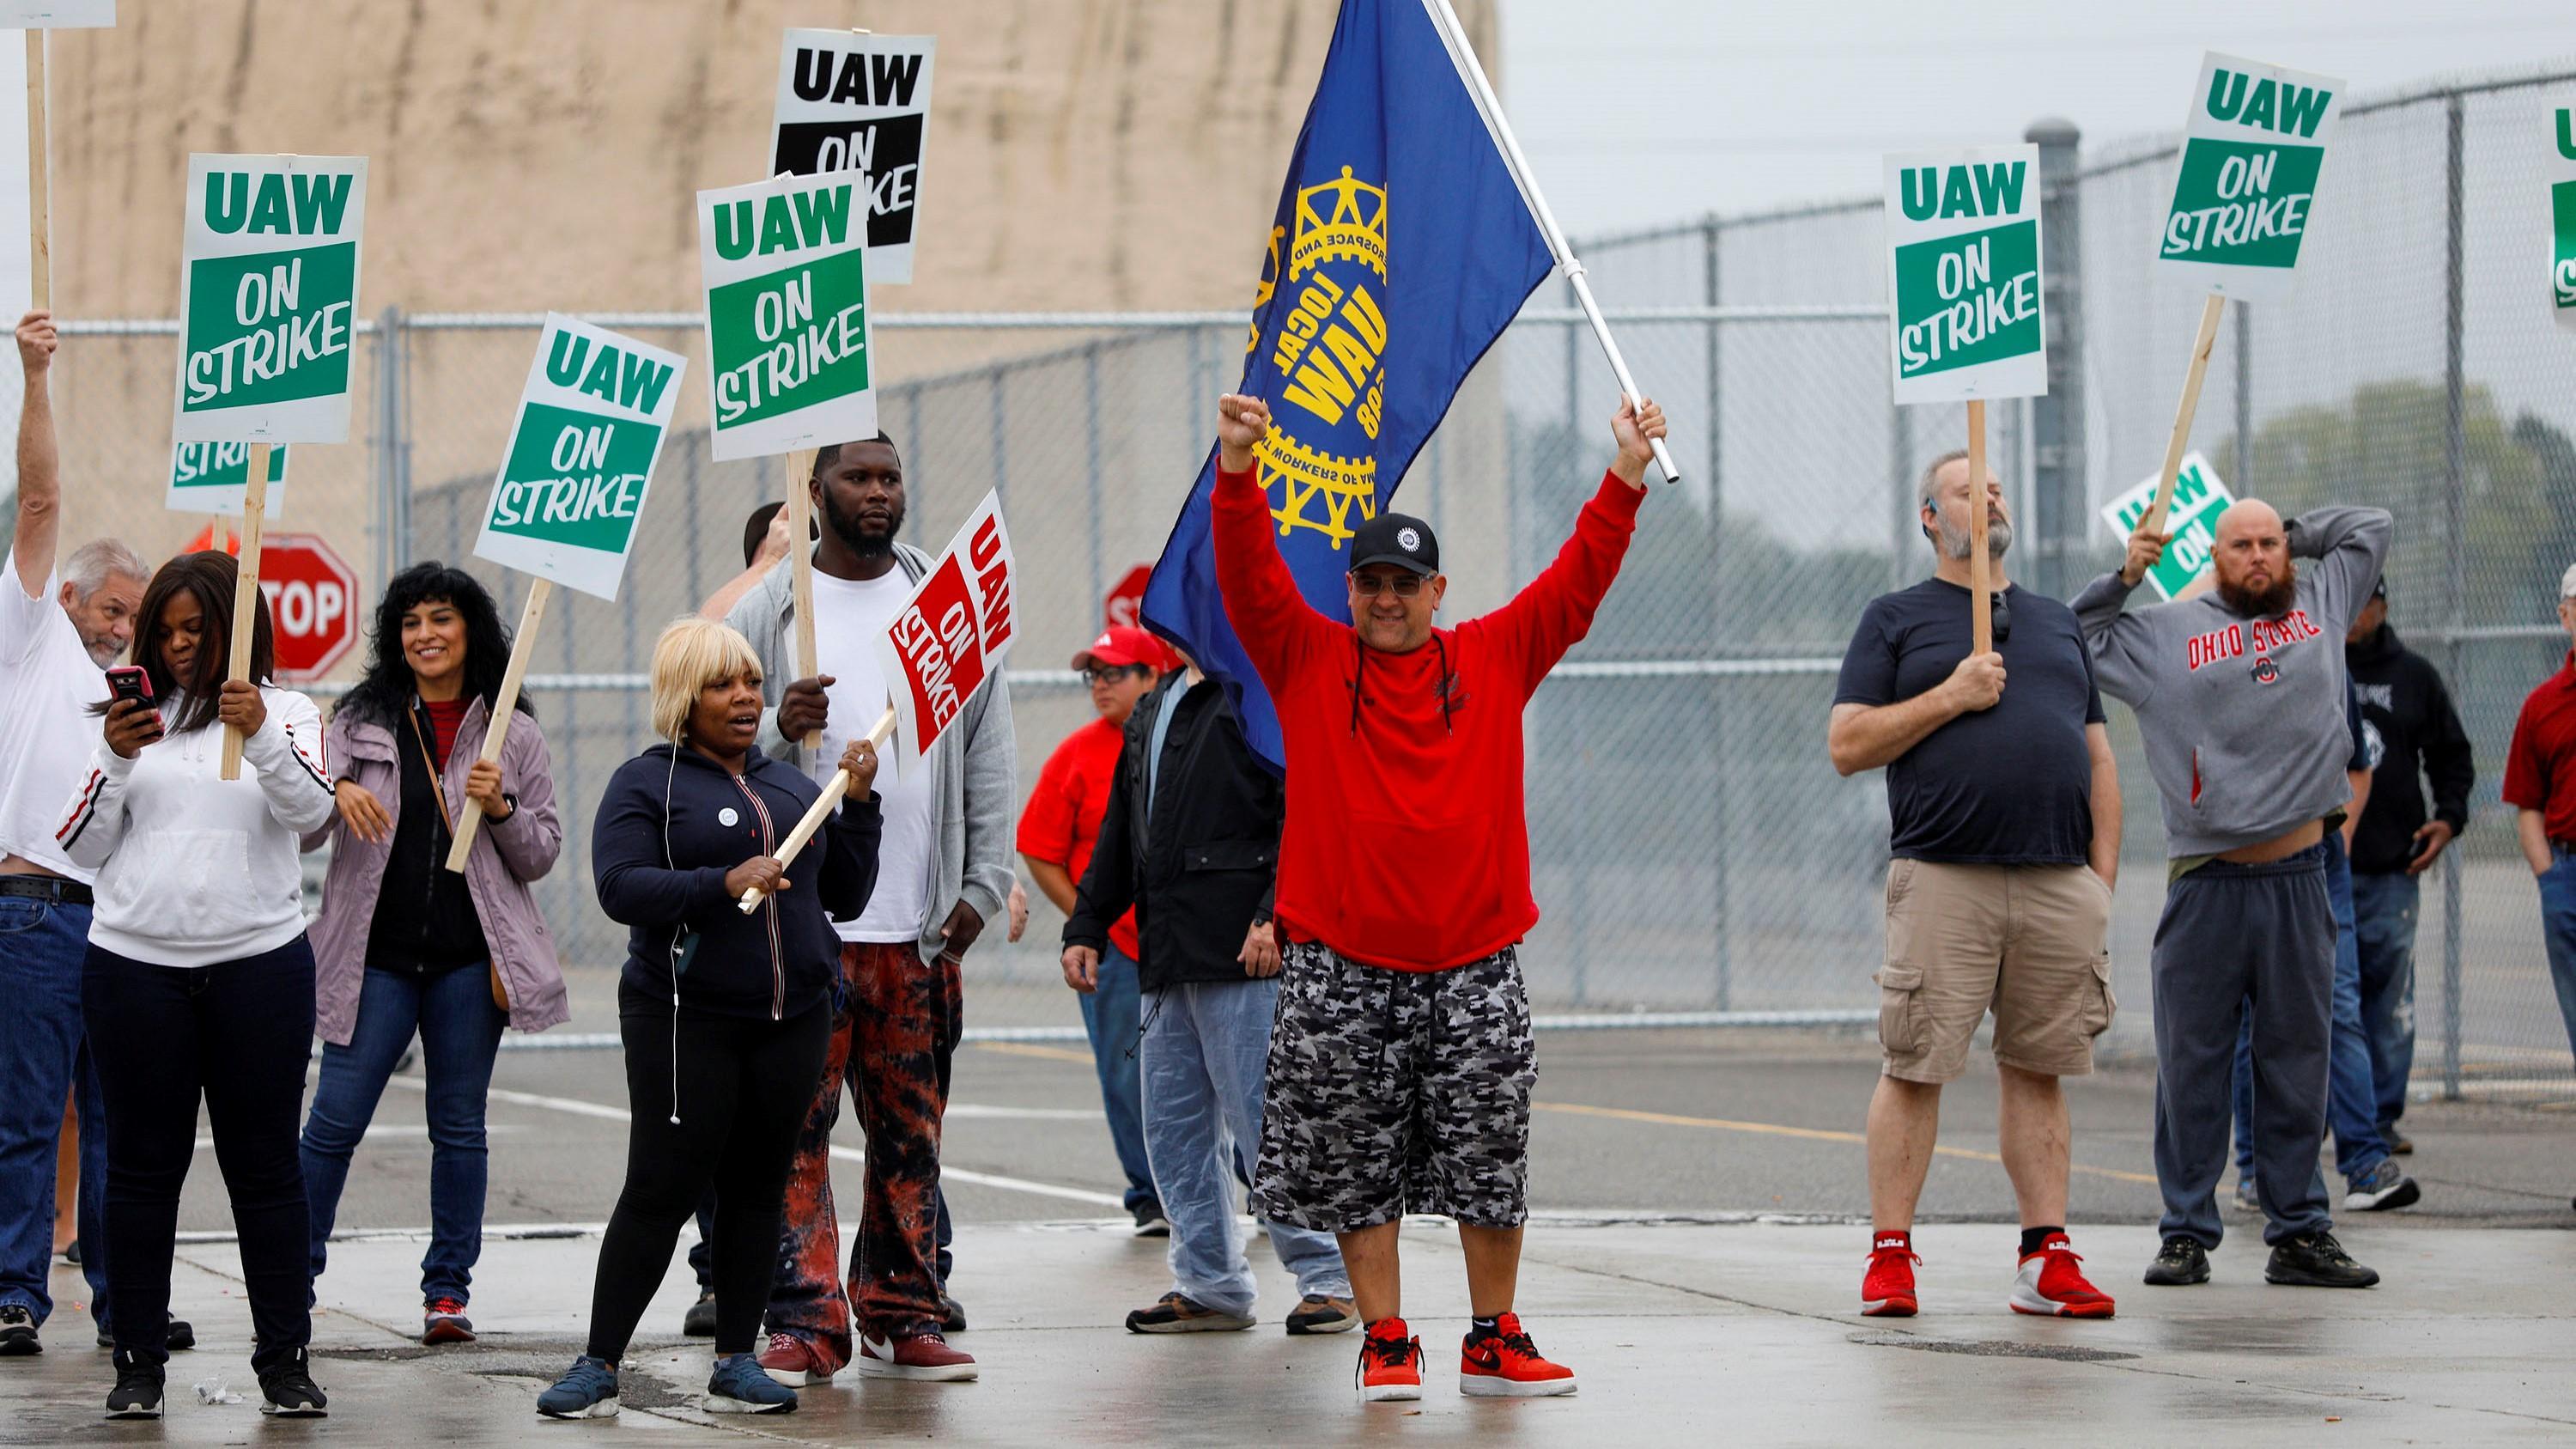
(849, 617)
(46, 730)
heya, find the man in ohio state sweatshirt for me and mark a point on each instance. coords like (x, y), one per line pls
(1401, 1062)
(2239, 693)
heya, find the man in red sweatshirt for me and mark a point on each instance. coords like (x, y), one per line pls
(1401, 1063)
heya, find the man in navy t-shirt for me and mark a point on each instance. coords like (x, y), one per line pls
(2005, 808)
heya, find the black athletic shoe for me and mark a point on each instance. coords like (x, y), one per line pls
(1150, 1222)
(183, 1335)
(289, 1392)
(2316, 1260)
(137, 1394)
(18, 1331)
(2180, 1261)
(952, 1316)
(700, 1320)
(2398, 1143)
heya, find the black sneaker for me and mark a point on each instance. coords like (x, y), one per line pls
(289, 1392)
(1150, 1222)
(183, 1335)
(2182, 1260)
(952, 1315)
(2385, 1188)
(700, 1320)
(18, 1331)
(2316, 1260)
(137, 1394)
(2398, 1143)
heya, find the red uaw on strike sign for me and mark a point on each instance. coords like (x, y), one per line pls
(950, 636)
(312, 604)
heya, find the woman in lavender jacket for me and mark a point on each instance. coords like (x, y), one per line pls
(404, 944)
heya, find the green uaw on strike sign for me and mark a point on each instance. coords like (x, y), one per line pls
(786, 269)
(2199, 497)
(2559, 166)
(580, 460)
(212, 477)
(268, 298)
(1963, 275)
(2246, 188)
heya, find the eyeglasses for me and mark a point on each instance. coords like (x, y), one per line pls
(1109, 673)
(2000, 615)
(1403, 586)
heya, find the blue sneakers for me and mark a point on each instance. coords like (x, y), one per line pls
(740, 1386)
(588, 1390)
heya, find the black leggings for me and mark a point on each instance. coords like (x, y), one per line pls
(744, 1085)
(236, 1036)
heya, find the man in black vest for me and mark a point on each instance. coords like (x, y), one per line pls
(1191, 841)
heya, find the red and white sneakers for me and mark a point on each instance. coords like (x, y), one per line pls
(1390, 1362)
(922, 1356)
(2051, 1285)
(1887, 1289)
(443, 1320)
(791, 1360)
(1501, 1362)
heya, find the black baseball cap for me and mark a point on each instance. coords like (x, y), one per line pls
(1396, 538)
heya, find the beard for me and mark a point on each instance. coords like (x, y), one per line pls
(1956, 544)
(103, 650)
(854, 531)
(2265, 603)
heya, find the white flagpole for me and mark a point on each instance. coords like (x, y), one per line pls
(1463, 56)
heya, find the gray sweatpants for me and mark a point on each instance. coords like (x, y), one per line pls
(2233, 937)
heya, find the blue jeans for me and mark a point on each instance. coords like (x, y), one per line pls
(2558, 932)
(2352, 1098)
(44, 1059)
(460, 1033)
(1205, 1058)
(1109, 1014)
(2384, 913)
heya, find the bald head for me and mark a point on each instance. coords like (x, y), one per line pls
(2252, 560)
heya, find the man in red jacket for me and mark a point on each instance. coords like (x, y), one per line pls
(1401, 1063)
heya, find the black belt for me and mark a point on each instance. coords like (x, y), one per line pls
(2563, 847)
(45, 888)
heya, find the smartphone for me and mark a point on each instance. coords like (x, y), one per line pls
(129, 681)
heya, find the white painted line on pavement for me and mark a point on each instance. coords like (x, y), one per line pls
(206, 1144)
(606, 1113)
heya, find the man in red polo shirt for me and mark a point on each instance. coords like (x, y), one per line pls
(1401, 1062)
(2540, 783)
(1057, 832)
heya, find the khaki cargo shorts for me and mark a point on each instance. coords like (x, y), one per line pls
(2031, 943)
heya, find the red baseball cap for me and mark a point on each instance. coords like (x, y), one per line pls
(1124, 644)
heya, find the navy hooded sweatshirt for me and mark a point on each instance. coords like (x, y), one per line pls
(661, 870)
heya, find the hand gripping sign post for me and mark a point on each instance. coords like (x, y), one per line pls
(571, 487)
(268, 303)
(852, 101)
(790, 360)
(2559, 165)
(2199, 496)
(2253, 145)
(945, 642)
(1963, 279)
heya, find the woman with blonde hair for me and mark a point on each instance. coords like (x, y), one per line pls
(724, 1013)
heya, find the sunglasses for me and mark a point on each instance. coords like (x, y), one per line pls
(1369, 586)
(1109, 673)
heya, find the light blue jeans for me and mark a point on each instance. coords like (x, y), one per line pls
(1205, 1056)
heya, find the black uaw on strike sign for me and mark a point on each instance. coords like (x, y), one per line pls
(1327, 350)
(849, 101)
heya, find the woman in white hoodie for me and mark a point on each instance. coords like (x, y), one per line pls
(199, 984)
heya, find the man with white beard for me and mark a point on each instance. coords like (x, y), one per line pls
(2005, 807)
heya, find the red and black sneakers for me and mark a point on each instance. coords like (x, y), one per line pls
(1390, 1362)
(1887, 1289)
(2052, 1286)
(1501, 1362)
(443, 1320)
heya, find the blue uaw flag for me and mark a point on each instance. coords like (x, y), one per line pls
(1401, 249)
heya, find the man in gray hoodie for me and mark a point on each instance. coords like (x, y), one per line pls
(2239, 694)
(943, 872)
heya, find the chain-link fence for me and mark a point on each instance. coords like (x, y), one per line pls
(1692, 848)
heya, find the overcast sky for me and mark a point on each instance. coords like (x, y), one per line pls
(1635, 112)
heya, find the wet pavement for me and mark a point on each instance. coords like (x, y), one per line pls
(1682, 1333)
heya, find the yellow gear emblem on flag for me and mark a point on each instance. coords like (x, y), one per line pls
(1328, 350)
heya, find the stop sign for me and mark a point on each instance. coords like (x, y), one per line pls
(1125, 604)
(312, 604)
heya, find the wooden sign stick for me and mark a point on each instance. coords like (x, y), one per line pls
(2154, 521)
(40, 253)
(246, 601)
(823, 806)
(505, 705)
(1981, 607)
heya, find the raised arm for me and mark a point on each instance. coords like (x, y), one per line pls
(1554, 612)
(2349, 545)
(1269, 612)
(2118, 641)
(40, 493)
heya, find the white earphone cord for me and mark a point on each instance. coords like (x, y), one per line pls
(672, 865)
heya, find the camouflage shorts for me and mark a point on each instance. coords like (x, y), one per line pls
(1394, 1092)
